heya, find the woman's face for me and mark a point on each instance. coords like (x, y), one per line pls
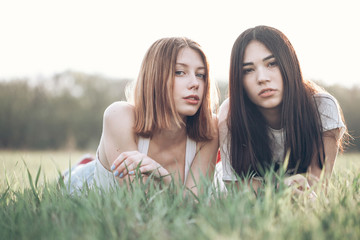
(189, 82)
(262, 78)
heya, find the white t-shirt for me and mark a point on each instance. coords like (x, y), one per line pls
(330, 118)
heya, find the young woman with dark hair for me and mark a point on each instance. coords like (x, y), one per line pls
(170, 129)
(272, 110)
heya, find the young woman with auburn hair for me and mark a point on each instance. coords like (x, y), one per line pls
(168, 131)
(272, 110)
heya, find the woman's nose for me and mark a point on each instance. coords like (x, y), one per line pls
(194, 82)
(262, 75)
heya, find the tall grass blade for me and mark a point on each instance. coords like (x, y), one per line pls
(286, 160)
(5, 193)
(33, 189)
(37, 177)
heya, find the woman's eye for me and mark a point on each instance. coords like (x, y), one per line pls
(179, 73)
(273, 64)
(247, 70)
(200, 75)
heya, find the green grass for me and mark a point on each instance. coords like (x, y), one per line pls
(14, 166)
(42, 210)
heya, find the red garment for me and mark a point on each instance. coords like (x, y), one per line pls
(218, 159)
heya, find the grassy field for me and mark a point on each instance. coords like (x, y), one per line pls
(31, 209)
(14, 165)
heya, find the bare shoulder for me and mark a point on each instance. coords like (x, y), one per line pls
(215, 122)
(119, 119)
(223, 123)
(223, 111)
(119, 113)
(119, 108)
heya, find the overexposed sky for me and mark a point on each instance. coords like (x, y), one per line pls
(108, 37)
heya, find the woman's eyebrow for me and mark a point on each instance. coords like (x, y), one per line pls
(268, 57)
(264, 59)
(185, 65)
(182, 64)
(247, 64)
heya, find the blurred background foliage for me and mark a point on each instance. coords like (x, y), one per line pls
(65, 111)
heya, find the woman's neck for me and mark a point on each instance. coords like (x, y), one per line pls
(170, 136)
(272, 117)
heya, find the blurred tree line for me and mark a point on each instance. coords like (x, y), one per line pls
(66, 110)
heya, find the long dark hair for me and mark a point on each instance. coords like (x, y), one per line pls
(250, 143)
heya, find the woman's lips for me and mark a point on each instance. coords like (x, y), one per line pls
(192, 99)
(268, 92)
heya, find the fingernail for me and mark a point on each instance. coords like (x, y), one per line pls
(112, 167)
(131, 172)
(116, 173)
(121, 175)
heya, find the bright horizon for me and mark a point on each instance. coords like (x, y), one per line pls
(110, 38)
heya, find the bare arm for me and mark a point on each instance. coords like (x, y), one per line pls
(301, 183)
(331, 147)
(118, 150)
(118, 135)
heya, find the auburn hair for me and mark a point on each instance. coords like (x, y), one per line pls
(153, 96)
(250, 143)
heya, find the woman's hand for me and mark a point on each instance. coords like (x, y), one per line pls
(300, 185)
(127, 163)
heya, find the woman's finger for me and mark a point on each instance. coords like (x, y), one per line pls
(123, 156)
(130, 164)
(143, 166)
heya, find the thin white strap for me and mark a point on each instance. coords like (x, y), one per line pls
(143, 145)
(189, 155)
